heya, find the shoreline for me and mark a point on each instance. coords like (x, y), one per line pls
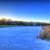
(45, 33)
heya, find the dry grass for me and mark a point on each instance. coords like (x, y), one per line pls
(46, 29)
(45, 33)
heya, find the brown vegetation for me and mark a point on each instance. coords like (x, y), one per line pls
(46, 29)
(45, 33)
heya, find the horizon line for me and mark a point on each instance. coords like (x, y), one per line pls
(25, 20)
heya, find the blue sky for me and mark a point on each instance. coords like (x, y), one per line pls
(26, 10)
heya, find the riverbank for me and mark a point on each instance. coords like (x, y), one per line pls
(7, 26)
(45, 33)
